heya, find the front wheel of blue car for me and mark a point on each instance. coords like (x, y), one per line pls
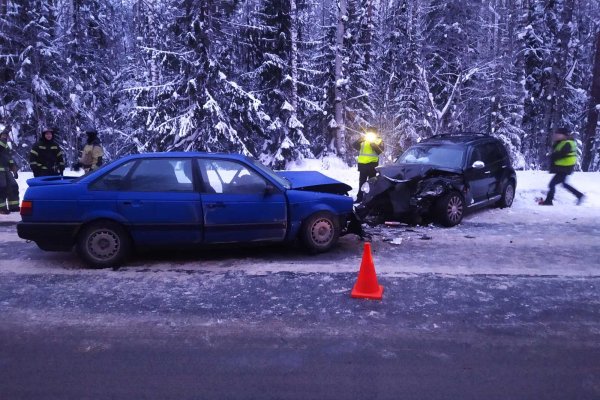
(320, 232)
(450, 209)
(103, 244)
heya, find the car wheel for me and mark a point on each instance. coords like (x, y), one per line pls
(320, 232)
(450, 209)
(508, 195)
(103, 244)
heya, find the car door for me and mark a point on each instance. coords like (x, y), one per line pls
(494, 161)
(478, 178)
(239, 204)
(500, 162)
(160, 204)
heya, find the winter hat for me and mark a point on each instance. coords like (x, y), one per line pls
(562, 131)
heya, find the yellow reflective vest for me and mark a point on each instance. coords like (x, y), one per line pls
(367, 154)
(571, 158)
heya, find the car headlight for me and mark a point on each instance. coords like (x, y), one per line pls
(365, 188)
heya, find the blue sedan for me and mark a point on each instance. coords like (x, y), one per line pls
(181, 199)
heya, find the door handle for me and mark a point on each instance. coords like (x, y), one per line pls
(218, 204)
(134, 203)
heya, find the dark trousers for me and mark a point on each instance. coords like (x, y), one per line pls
(366, 171)
(9, 192)
(561, 177)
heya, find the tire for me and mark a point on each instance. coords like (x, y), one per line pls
(450, 209)
(508, 195)
(103, 244)
(320, 232)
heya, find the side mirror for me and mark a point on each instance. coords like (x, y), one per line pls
(478, 164)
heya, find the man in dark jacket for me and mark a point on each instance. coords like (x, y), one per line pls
(562, 163)
(46, 157)
(9, 189)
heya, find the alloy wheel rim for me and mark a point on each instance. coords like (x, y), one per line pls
(455, 209)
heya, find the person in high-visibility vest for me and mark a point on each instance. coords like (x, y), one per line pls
(562, 163)
(369, 147)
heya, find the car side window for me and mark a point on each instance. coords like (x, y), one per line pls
(476, 155)
(115, 179)
(162, 175)
(491, 153)
(229, 177)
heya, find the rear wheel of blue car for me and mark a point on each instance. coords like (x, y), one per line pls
(450, 209)
(320, 232)
(103, 244)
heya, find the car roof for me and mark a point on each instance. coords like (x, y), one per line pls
(180, 154)
(462, 138)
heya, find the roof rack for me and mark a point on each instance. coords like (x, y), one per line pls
(441, 135)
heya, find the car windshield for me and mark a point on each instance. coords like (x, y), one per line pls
(282, 181)
(439, 155)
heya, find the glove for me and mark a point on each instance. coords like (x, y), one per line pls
(76, 166)
(99, 163)
(60, 172)
(16, 174)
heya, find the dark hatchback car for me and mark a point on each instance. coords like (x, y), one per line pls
(440, 179)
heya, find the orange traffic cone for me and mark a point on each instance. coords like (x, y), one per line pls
(366, 286)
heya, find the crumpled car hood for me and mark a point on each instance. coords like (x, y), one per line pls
(314, 181)
(407, 172)
(50, 180)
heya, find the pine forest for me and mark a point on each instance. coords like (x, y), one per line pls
(282, 80)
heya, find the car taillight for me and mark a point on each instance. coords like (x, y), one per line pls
(26, 207)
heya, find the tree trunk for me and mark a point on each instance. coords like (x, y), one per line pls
(294, 55)
(555, 103)
(339, 76)
(589, 133)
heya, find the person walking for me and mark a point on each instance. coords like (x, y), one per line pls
(46, 157)
(562, 163)
(369, 147)
(92, 154)
(9, 189)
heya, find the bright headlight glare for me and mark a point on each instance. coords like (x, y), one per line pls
(370, 136)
